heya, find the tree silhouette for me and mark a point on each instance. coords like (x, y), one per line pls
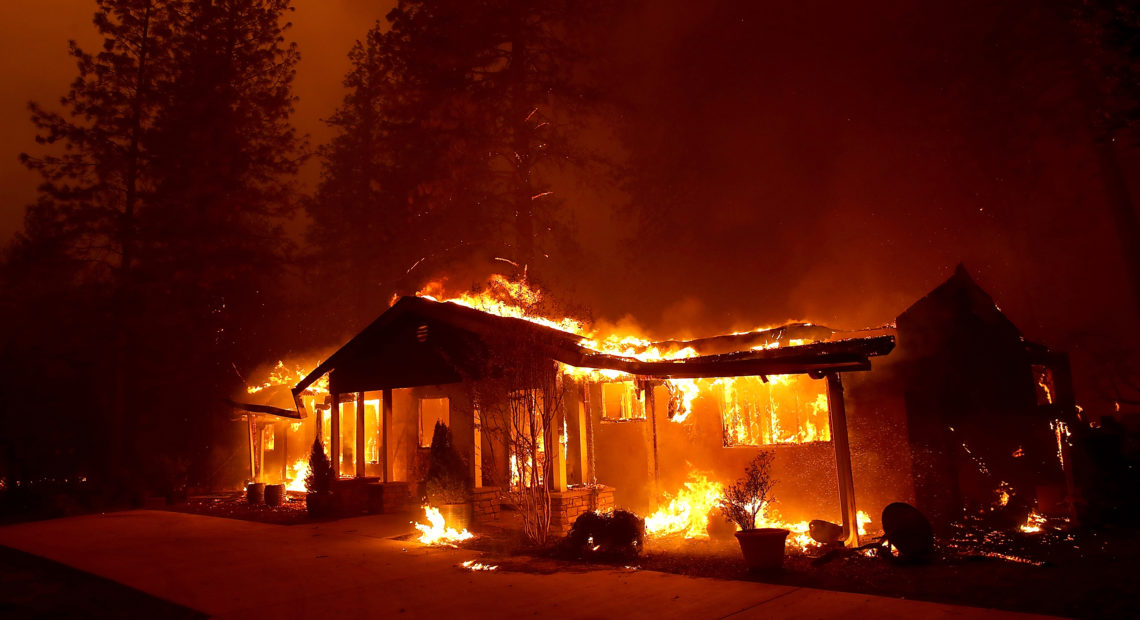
(166, 177)
(457, 114)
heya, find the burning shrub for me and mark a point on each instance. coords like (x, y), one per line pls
(620, 533)
(447, 480)
(743, 501)
(321, 475)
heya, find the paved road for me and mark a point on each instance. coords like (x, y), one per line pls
(353, 569)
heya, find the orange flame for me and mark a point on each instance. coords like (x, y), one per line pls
(437, 532)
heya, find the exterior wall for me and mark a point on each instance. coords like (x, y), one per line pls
(805, 475)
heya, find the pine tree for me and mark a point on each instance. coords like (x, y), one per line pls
(448, 135)
(99, 174)
(169, 181)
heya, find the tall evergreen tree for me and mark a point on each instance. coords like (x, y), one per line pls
(95, 184)
(457, 115)
(166, 185)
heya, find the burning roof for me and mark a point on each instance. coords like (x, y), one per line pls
(421, 341)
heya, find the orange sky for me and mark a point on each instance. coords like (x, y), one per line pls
(34, 65)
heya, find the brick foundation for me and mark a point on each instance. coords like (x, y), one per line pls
(486, 502)
(565, 507)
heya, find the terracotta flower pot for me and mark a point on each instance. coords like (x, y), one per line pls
(763, 548)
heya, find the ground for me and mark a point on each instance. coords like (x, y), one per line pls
(356, 568)
(33, 587)
(1089, 574)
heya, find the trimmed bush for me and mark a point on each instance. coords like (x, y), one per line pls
(618, 534)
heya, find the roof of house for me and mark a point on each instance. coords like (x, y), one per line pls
(424, 342)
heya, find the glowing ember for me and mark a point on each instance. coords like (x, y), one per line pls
(474, 566)
(437, 533)
(1033, 524)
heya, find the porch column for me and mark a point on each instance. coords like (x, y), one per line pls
(360, 434)
(589, 468)
(837, 415)
(477, 450)
(553, 448)
(334, 429)
(651, 412)
(284, 449)
(252, 429)
(385, 431)
(577, 458)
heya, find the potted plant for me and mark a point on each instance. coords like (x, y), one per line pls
(318, 482)
(448, 487)
(741, 502)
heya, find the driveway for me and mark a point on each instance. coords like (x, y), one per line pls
(352, 568)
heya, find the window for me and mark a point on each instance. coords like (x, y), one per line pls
(432, 410)
(786, 409)
(621, 402)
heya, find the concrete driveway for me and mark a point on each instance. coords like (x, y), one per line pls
(353, 569)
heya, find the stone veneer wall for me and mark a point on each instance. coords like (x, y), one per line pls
(486, 503)
(567, 506)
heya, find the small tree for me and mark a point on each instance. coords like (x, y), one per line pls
(743, 501)
(447, 480)
(321, 474)
(520, 407)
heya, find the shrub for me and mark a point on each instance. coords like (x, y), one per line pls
(321, 474)
(619, 533)
(447, 479)
(742, 501)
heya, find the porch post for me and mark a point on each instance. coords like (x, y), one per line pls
(553, 448)
(385, 431)
(477, 451)
(651, 411)
(360, 434)
(838, 421)
(334, 428)
(251, 429)
(589, 468)
(284, 450)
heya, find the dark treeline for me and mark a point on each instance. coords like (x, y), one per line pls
(154, 274)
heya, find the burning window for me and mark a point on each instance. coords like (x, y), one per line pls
(785, 409)
(1043, 384)
(621, 402)
(432, 410)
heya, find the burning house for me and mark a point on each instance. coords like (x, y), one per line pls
(961, 411)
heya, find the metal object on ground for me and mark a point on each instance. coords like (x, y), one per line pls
(908, 531)
(825, 532)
